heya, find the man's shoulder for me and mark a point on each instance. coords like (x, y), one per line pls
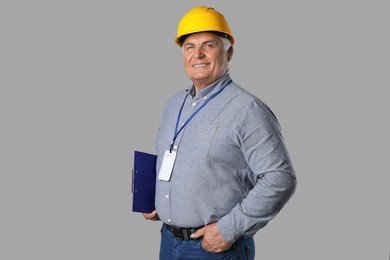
(241, 94)
(176, 97)
(249, 100)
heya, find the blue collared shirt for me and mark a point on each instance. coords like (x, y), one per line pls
(232, 166)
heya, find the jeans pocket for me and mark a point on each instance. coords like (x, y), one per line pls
(247, 250)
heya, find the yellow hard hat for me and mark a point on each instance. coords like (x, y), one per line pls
(202, 19)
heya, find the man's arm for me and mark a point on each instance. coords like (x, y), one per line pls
(266, 155)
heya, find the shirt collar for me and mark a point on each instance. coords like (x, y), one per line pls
(213, 86)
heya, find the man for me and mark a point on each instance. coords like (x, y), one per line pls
(223, 169)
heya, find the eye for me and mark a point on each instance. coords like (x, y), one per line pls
(189, 47)
(209, 45)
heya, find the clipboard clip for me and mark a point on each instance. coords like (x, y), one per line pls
(132, 181)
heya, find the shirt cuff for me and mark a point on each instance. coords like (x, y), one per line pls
(227, 230)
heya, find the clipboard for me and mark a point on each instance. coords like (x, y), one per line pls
(144, 182)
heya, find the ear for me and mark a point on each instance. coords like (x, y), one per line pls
(230, 53)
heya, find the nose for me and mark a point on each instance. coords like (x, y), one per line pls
(198, 53)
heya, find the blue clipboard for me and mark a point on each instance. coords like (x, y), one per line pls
(144, 182)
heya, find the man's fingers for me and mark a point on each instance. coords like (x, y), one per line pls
(151, 216)
(199, 233)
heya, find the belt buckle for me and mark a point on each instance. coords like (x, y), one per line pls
(185, 235)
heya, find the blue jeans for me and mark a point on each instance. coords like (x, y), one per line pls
(172, 248)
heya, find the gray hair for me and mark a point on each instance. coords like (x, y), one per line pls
(225, 41)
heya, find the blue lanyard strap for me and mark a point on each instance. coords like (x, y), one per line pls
(193, 114)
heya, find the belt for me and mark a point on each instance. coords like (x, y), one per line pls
(181, 233)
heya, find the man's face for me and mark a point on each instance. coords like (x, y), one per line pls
(205, 59)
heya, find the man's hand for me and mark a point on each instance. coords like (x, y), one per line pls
(213, 241)
(151, 216)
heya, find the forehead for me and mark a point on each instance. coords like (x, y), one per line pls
(202, 37)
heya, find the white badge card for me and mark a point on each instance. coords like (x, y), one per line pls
(167, 166)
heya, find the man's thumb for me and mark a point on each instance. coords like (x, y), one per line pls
(199, 233)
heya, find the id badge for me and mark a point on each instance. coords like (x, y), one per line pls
(167, 166)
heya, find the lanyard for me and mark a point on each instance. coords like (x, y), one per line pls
(193, 113)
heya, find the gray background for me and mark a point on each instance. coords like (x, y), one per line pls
(83, 84)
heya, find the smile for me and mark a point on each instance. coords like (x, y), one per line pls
(200, 65)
